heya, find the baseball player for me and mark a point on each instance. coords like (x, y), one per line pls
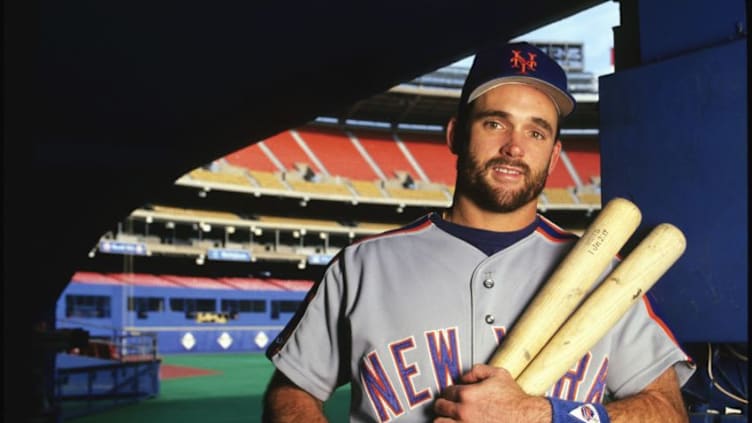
(409, 317)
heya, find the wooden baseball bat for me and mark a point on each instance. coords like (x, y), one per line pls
(625, 285)
(569, 283)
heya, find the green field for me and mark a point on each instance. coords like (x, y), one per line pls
(233, 395)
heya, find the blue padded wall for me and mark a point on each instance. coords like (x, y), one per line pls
(669, 28)
(674, 140)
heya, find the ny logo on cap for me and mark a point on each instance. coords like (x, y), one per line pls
(519, 62)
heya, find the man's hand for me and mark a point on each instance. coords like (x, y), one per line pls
(489, 394)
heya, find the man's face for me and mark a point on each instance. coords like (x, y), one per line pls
(511, 148)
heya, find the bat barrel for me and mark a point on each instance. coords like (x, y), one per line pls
(608, 303)
(565, 288)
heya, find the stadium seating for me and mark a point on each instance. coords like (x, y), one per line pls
(262, 221)
(287, 150)
(201, 174)
(249, 284)
(273, 256)
(143, 279)
(418, 194)
(170, 249)
(366, 189)
(196, 282)
(198, 214)
(590, 198)
(292, 285)
(299, 223)
(433, 155)
(252, 157)
(585, 157)
(322, 188)
(360, 165)
(268, 180)
(384, 151)
(560, 177)
(560, 196)
(95, 278)
(337, 153)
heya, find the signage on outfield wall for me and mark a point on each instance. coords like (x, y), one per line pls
(119, 247)
(225, 340)
(228, 255)
(320, 258)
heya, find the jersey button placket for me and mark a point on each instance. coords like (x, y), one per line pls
(489, 283)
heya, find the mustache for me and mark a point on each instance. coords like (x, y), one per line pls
(502, 161)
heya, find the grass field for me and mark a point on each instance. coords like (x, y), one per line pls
(232, 394)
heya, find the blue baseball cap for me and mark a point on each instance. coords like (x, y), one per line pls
(520, 63)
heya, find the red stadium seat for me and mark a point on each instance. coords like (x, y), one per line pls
(337, 153)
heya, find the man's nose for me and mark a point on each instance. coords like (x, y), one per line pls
(512, 146)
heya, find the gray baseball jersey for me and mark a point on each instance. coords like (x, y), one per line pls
(402, 315)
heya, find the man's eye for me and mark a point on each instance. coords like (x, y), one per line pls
(492, 124)
(538, 136)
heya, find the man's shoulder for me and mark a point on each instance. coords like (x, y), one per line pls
(553, 232)
(417, 227)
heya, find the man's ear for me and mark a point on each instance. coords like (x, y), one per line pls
(555, 153)
(451, 135)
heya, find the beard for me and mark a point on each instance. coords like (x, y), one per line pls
(472, 182)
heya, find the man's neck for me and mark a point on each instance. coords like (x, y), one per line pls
(466, 213)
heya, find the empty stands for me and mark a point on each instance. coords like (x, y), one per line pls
(321, 188)
(361, 165)
(268, 180)
(250, 284)
(260, 221)
(300, 223)
(366, 189)
(384, 151)
(590, 198)
(252, 157)
(95, 278)
(430, 195)
(143, 279)
(433, 156)
(559, 196)
(196, 282)
(219, 177)
(337, 153)
(560, 177)
(198, 214)
(292, 285)
(585, 157)
(287, 150)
